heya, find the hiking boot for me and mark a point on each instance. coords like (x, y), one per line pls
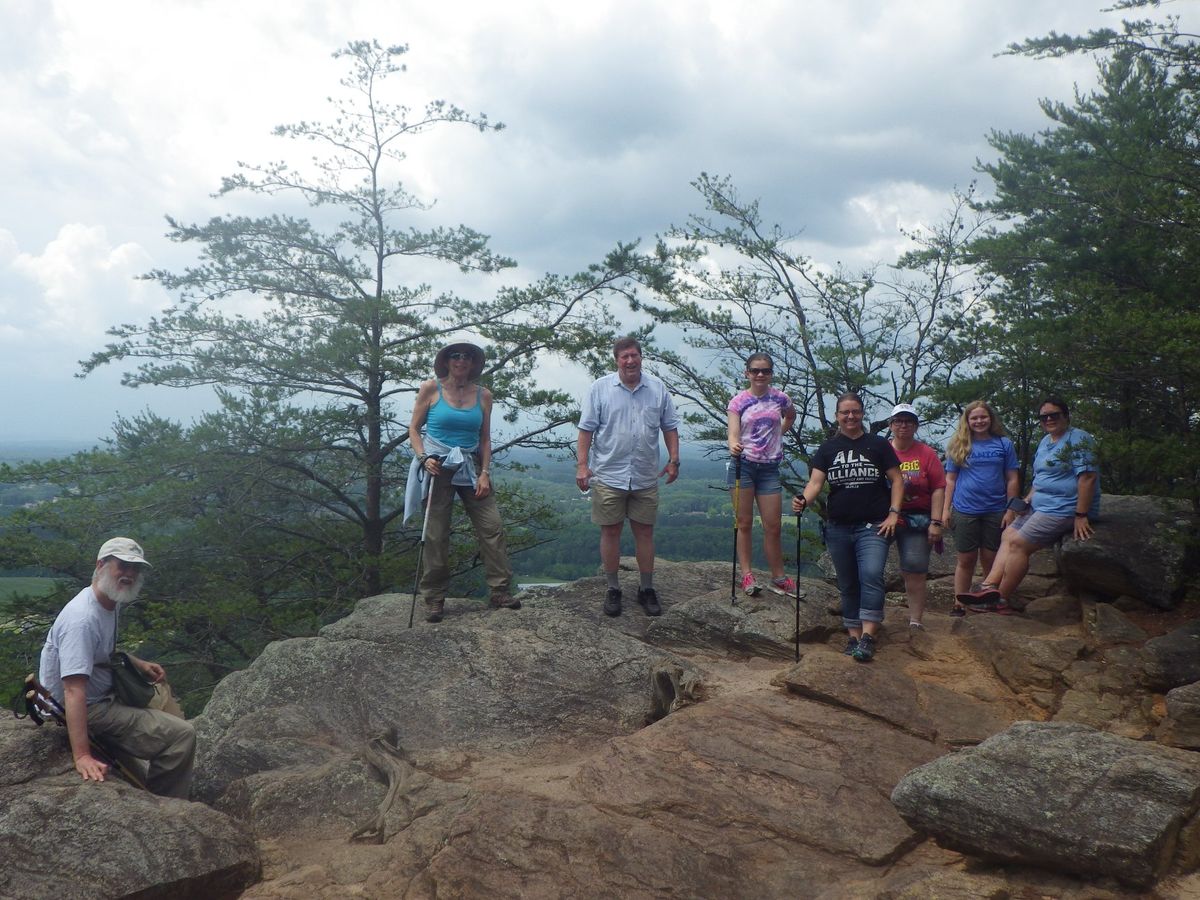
(851, 646)
(749, 586)
(434, 610)
(783, 585)
(612, 602)
(648, 597)
(865, 651)
(504, 601)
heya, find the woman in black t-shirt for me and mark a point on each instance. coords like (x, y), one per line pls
(865, 493)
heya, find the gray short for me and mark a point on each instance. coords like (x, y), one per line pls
(973, 532)
(1043, 529)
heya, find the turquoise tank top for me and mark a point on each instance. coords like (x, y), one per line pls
(455, 427)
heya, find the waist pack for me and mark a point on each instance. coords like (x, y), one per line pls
(130, 685)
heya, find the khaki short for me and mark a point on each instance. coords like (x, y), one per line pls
(611, 506)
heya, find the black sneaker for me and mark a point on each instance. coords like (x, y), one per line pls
(865, 650)
(612, 602)
(649, 600)
(851, 646)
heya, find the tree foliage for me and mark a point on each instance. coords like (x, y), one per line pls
(1099, 251)
(900, 333)
(317, 331)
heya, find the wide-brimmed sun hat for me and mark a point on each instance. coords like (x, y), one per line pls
(441, 363)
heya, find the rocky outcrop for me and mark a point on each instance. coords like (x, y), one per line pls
(1173, 659)
(64, 838)
(1181, 727)
(1141, 548)
(1062, 796)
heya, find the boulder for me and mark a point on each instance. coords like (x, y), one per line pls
(65, 838)
(1053, 610)
(1181, 727)
(1106, 624)
(474, 682)
(1173, 659)
(1139, 548)
(1062, 796)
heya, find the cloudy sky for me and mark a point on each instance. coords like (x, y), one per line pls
(849, 118)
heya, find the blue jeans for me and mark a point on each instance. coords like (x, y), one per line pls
(859, 554)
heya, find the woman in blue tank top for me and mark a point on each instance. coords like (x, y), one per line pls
(454, 412)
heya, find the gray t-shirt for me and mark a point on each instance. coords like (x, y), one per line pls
(81, 636)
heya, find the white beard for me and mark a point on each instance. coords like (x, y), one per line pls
(111, 588)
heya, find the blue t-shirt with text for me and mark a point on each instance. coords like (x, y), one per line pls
(980, 486)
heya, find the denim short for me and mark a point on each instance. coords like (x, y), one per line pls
(1043, 529)
(912, 543)
(762, 476)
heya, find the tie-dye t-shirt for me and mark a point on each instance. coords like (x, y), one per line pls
(762, 423)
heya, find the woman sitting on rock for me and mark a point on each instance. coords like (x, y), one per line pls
(451, 424)
(1063, 501)
(865, 493)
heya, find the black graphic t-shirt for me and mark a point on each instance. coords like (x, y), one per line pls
(858, 488)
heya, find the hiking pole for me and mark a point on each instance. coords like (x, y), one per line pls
(412, 607)
(737, 493)
(798, 515)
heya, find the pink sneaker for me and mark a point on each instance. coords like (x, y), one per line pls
(784, 585)
(749, 586)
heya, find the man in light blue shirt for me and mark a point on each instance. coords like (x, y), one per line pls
(622, 416)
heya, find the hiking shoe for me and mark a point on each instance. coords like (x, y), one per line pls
(957, 612)
(612, 602)
(985, 595)
(648, 597)
(783, 585)
(750, 587)
(851, 646)
(504, 601)
(915, 626)
(865, 651)
(434, 610)
(1003, 609)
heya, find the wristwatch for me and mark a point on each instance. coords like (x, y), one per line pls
(673, 462)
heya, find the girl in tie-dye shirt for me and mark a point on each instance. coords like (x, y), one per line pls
(758, 417)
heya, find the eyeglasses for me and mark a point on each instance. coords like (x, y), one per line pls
(754, 371)
(905, 421)
(460, 354)
(850, 412)
(1050, 417)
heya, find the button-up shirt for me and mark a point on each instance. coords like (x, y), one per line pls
(625, 423)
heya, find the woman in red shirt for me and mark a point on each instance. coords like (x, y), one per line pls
(924, 490)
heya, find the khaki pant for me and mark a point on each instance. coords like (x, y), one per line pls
(163, 739)
(489, 532)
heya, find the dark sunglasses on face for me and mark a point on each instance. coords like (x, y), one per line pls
(460, 354)
(754, 371)
(1050, 417)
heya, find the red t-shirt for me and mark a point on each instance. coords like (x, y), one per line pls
(922, 473)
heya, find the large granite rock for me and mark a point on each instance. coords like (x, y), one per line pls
(64, 838)
(1173, 660)
(1028, 656)
(1181, 727)
(1062, 796)
(1140, 548)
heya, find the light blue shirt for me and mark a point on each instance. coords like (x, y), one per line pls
(1056, 470)
(625, 424)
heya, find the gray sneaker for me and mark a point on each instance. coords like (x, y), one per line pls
(865, 651)
(434, 610)
(851, 646)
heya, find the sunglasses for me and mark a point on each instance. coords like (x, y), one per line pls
(1050, 417)
(755, 371)
(460, 354)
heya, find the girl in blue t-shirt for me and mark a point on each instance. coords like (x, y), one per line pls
(982, 475)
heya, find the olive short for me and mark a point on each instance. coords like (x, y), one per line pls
(973, 532)
(611, 506)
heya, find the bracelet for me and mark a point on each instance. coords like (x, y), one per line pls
(893, 509)
(1081, 515)
(937, 522)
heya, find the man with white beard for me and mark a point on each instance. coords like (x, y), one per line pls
(75, 669)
